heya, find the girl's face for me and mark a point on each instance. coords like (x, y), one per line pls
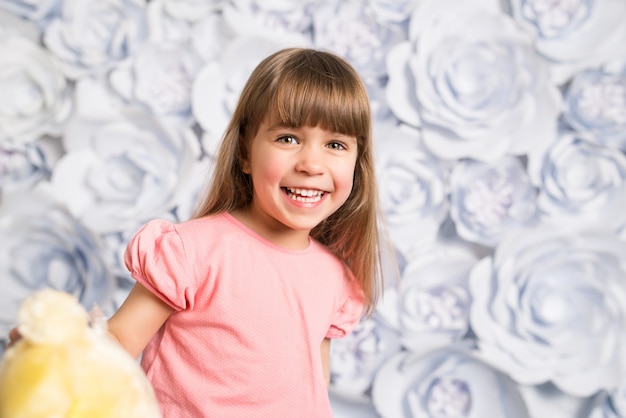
(300, 177)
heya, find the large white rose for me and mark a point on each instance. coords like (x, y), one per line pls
(92, 36)
(430, 306)
(40, 100)
(356, 358)
(43, 245)
(550, 306)
(351, 29)
(118, 172)
(581, 181)
(574, 34)
(474, 81)
(487, 198)
(444, 383)
(158, 79)
(413, 190)
(21, 166)
(596, 107)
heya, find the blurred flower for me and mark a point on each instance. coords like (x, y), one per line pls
(42, 245)
(12, 25)
(607, 405)
(574, 34)
(392, 11)
(350, 408)
(40, 100)
(209, 36)
(191, 10)
(580, 180)
(269, 18)
(596, 107)
(488, 198)
(444, 383)
(350, 29)
(430, 306)
(39, 12)
(546, 400)
(412, 188)
(92, 36)
(197, 22)
(355, 358)
(120, 171)
(217, 86)
(550, 305)
(473, 80)
(21, 166)
(158, 78)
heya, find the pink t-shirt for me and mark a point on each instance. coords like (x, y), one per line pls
(244, 340)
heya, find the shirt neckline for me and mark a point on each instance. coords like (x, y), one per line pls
(263, 240)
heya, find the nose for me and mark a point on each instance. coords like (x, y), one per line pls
(310, 161)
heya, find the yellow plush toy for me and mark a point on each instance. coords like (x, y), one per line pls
(63, 367)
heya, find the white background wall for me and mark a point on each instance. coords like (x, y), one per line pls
(500, 134)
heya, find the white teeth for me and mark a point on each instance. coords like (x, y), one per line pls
(305, 195)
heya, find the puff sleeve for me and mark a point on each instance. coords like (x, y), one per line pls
(347, 317)
(156, 258)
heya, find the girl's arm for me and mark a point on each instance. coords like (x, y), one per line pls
(138, 319)
(325, 350)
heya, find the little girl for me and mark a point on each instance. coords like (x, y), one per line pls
(233, 311)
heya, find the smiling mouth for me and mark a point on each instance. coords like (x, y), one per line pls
(304, 195)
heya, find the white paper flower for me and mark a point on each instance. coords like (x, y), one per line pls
(40, 99)
(412, 188)
(217, 86)
(92, 36)
(39, 12)
(580, 181)
(351, 408)
(192, 10)
(199, 23)
(21, 166)
(430, 306)
(605, 406)
(351, 29)
(574, 34)
(397, 11)
(596, 107)
(121, 171)
(42, 245)
(487, 198)
(269, 18)
(474, 81)
(158, 79)
(444, 383)
(550, 305)
(12, 25)
(355, 358)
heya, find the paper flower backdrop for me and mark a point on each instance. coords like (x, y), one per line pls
(500, 134)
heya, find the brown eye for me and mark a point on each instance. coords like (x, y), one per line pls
(337, 146)
(287, 139)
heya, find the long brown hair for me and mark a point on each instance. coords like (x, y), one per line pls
(305, 87)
